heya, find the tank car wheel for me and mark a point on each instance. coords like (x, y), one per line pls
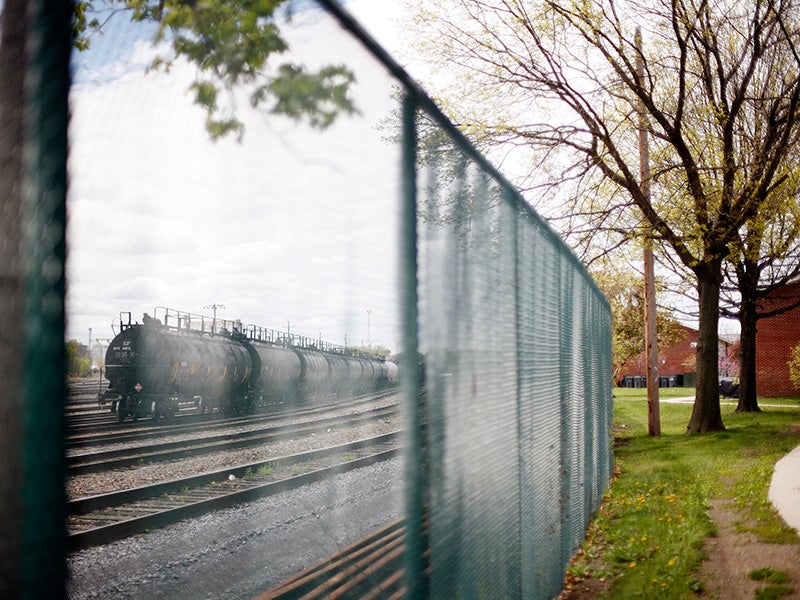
(121, 412)
(154, 410)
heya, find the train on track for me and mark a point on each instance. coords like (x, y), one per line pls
(154, 367)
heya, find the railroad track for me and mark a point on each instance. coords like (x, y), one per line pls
(369, 569)
(92, 462)
(81, 400)
(107, 517)
(128, 432)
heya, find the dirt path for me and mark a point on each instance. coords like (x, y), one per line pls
(732, 555)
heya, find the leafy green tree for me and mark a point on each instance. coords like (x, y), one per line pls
(231, 44)
(717, 84)
(625, 294)
(79, 363)
(764, 259)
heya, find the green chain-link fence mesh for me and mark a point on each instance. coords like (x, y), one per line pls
(508, 415)
(514, 350)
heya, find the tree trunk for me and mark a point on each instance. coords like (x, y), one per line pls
(706, 415)
(748, 402)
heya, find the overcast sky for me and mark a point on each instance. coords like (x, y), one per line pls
(290, 226)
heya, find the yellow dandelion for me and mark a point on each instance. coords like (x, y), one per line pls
(671, 563)
(644, 538)
(632, 564)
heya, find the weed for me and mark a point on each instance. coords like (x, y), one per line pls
(267, 469)
(769, 575)
(773, 592)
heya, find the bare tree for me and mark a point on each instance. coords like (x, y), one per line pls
(710, 71)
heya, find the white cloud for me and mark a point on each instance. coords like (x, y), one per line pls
(292, 225)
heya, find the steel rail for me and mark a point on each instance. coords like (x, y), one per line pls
(112, 459)
(216, 498)
(129, 432)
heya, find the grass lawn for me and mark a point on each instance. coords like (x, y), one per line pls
(647, 538)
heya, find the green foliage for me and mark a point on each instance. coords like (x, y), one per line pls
(794, 367)
(625, 293)
(649, 533)
(321, 96)
(267, 469)
(80, 24)
(773, 592)
(79, 364)
(770, 575)
(231, 44)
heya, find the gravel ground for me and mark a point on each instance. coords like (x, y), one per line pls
(90, 484)
(238, 553)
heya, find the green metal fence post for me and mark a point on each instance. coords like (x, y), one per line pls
(415, 476)
(43, 568)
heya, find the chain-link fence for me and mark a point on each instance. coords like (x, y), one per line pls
(504, 338)
(514, 385)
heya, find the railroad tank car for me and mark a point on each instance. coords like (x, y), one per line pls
(152, 368)
(372, 375)
(340, 375)
(389, 372)
(276, 374)
(315, 373)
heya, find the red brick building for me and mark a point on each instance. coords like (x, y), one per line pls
(673, 362)
(676, 363)
(774, 342)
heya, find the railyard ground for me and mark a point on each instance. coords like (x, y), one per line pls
(689, 516)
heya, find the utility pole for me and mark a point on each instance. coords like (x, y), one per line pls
(214, 307)
(369, 341)
(651, 345)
